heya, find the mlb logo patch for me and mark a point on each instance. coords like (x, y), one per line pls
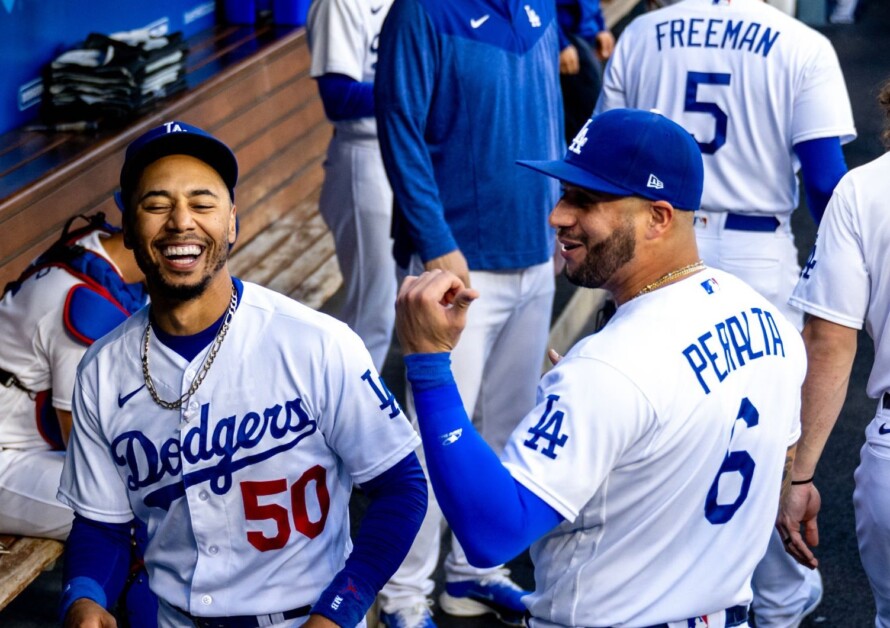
(698, 622)
(710, 285)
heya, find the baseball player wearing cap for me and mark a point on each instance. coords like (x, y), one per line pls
(356, 200)
(624, 461)
(763, 95)
(234, 422)
(452, 119)
(844, 286)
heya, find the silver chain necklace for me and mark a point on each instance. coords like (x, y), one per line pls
(205, 366)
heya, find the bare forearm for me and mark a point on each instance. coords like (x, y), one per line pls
(830, 352)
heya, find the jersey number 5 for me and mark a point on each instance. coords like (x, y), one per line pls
(693, 80)
(734, 462)
(254, 511)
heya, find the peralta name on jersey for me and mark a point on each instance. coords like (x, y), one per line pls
(699, 32)
(735, 342)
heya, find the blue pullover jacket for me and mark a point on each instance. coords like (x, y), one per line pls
(463, 89)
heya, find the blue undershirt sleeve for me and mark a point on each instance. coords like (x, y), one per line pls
(493, 516)
(407, 76)
(563, 39)
(591, 21)
(97, 561)
(344, 98)
(398, 504)
(822, 166)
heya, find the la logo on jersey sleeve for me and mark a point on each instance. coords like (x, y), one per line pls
(548, 429)
(387, 399)
(810, 264)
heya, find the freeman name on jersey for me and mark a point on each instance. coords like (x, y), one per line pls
(699, 32)
(732, 344)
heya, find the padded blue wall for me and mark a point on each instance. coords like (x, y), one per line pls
(34, 32)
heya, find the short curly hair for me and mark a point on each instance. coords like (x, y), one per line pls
(884, 101)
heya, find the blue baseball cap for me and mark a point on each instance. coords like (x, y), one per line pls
(176, 138)
(629, 152)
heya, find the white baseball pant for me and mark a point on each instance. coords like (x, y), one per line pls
(497, 365)
(29, 481)
(871, 503)
(356, 204)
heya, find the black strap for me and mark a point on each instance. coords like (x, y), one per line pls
(244, 621)
(8, 379)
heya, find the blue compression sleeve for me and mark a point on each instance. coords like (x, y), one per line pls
(344, 98)
(398, 504)
(493, 516)
(97, 560)
(822, 164)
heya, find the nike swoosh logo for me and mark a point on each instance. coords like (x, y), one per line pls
(377, 10)
(121, 400)
(477, 23)
(884, 429)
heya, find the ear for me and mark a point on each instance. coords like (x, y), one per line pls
(233, 225)
(661, 217)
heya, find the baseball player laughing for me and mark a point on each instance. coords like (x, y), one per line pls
(234, 422)
(625, 459)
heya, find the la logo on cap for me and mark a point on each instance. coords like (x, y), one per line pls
(655, 183)
(173, 127)
(580, 139)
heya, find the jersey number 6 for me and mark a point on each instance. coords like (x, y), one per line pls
(254, 511)
(693, 80)
(734, 461)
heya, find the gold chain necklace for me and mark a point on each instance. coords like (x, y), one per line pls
(205, 366)
(674, 274)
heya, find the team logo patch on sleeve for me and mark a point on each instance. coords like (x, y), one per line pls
(548, 428)
(810, 264)
(387, 399)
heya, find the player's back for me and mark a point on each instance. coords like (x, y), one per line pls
(683, 514)
(747, 81)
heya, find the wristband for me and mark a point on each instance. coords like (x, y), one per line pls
(799, 482)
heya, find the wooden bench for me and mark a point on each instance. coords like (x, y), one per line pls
(21, 561)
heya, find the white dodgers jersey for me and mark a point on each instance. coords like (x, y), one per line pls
(343, 39)
(245, 490)
(747, 81)
(41, 353)
(661, 440)
(846, 279)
